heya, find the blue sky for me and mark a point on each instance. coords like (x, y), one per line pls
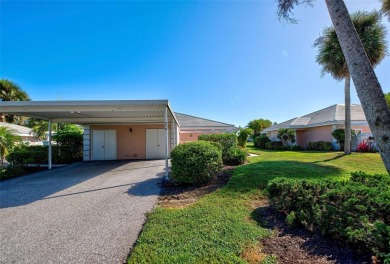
(230, 61)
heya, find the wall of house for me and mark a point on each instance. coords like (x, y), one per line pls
(131, 145)
(312, 134)
(273, 136)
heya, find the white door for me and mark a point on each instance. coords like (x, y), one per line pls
(109, 144)
(155, 143)
(103, 144)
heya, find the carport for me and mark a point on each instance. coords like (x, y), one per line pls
(113, 129)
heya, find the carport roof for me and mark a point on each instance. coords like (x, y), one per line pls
(93, 112)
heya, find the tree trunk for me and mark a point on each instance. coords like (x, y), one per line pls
(347, 92)
(366, 83)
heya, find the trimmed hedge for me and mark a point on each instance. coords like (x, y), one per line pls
(226, 140)
(356, 211)
(195, 162)
(38, 155)
(320, 145)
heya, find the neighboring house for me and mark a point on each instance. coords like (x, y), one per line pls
(26, 134)
(191, 127)
(319, 125)
(121, 129)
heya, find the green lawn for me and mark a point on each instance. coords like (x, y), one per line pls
(220, 226)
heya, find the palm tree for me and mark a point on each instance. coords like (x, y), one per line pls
(386, 8)
(366, 83)
(330, 56)
(10, 91)
(7, 142)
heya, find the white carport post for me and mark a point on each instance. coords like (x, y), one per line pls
(166, 140)
(49, 149)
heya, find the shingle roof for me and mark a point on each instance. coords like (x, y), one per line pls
(188, 121)
(334, 114)
(18, 130)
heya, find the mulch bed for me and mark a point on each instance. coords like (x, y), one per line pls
(291, 245)
(297, 245)
(180, 196)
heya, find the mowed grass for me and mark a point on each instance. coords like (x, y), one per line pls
(219, 227)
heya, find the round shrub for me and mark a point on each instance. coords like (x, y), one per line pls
(260, 141)
(195, 162)
(235, 156)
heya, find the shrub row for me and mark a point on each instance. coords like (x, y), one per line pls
(356, 211)
(263, 142)
(231, 155)
(320, 145)
(38, 155)
(195, 162)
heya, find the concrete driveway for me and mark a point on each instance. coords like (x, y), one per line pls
(89, 212)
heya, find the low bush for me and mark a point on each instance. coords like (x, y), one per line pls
(226, 140)
(356, 211)
(260, 141)
(235, 156)
(195, 162)
(39, 155)
(15, 171)
(320, 145)
(365, 147)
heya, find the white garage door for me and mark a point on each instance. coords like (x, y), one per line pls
(103, 144)
(155, 143)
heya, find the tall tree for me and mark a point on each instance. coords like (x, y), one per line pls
(386, 8)
(10, 91)
(7, 141)
(330, 56)
(366, 83)
(257, 125)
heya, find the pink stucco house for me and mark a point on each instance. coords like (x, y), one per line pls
(318, 126)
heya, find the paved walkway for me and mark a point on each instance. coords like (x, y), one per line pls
(89, 212)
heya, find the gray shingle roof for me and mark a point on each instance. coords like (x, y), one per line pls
(334, 114)
(188, 121)
(18, 130)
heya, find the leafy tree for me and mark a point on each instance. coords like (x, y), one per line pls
(331, 58)
(387, 96)
(386, 8)
(287, 136)
(366, 83)
(7, 142)
(257, 125)
(10, 91)
(39, 127)
(243, 136)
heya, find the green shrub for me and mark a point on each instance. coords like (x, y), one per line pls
(226, 140)
(243, 136)
(276, 145)
(195, 162)
(39, 155)
(356, 211)
(320, 145)
(296, 148)
(235, 156)
(286, 136)
(72, 137)
(260, 141)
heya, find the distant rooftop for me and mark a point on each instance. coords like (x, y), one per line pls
(188, 121)
(18, 130)
(334, 114)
